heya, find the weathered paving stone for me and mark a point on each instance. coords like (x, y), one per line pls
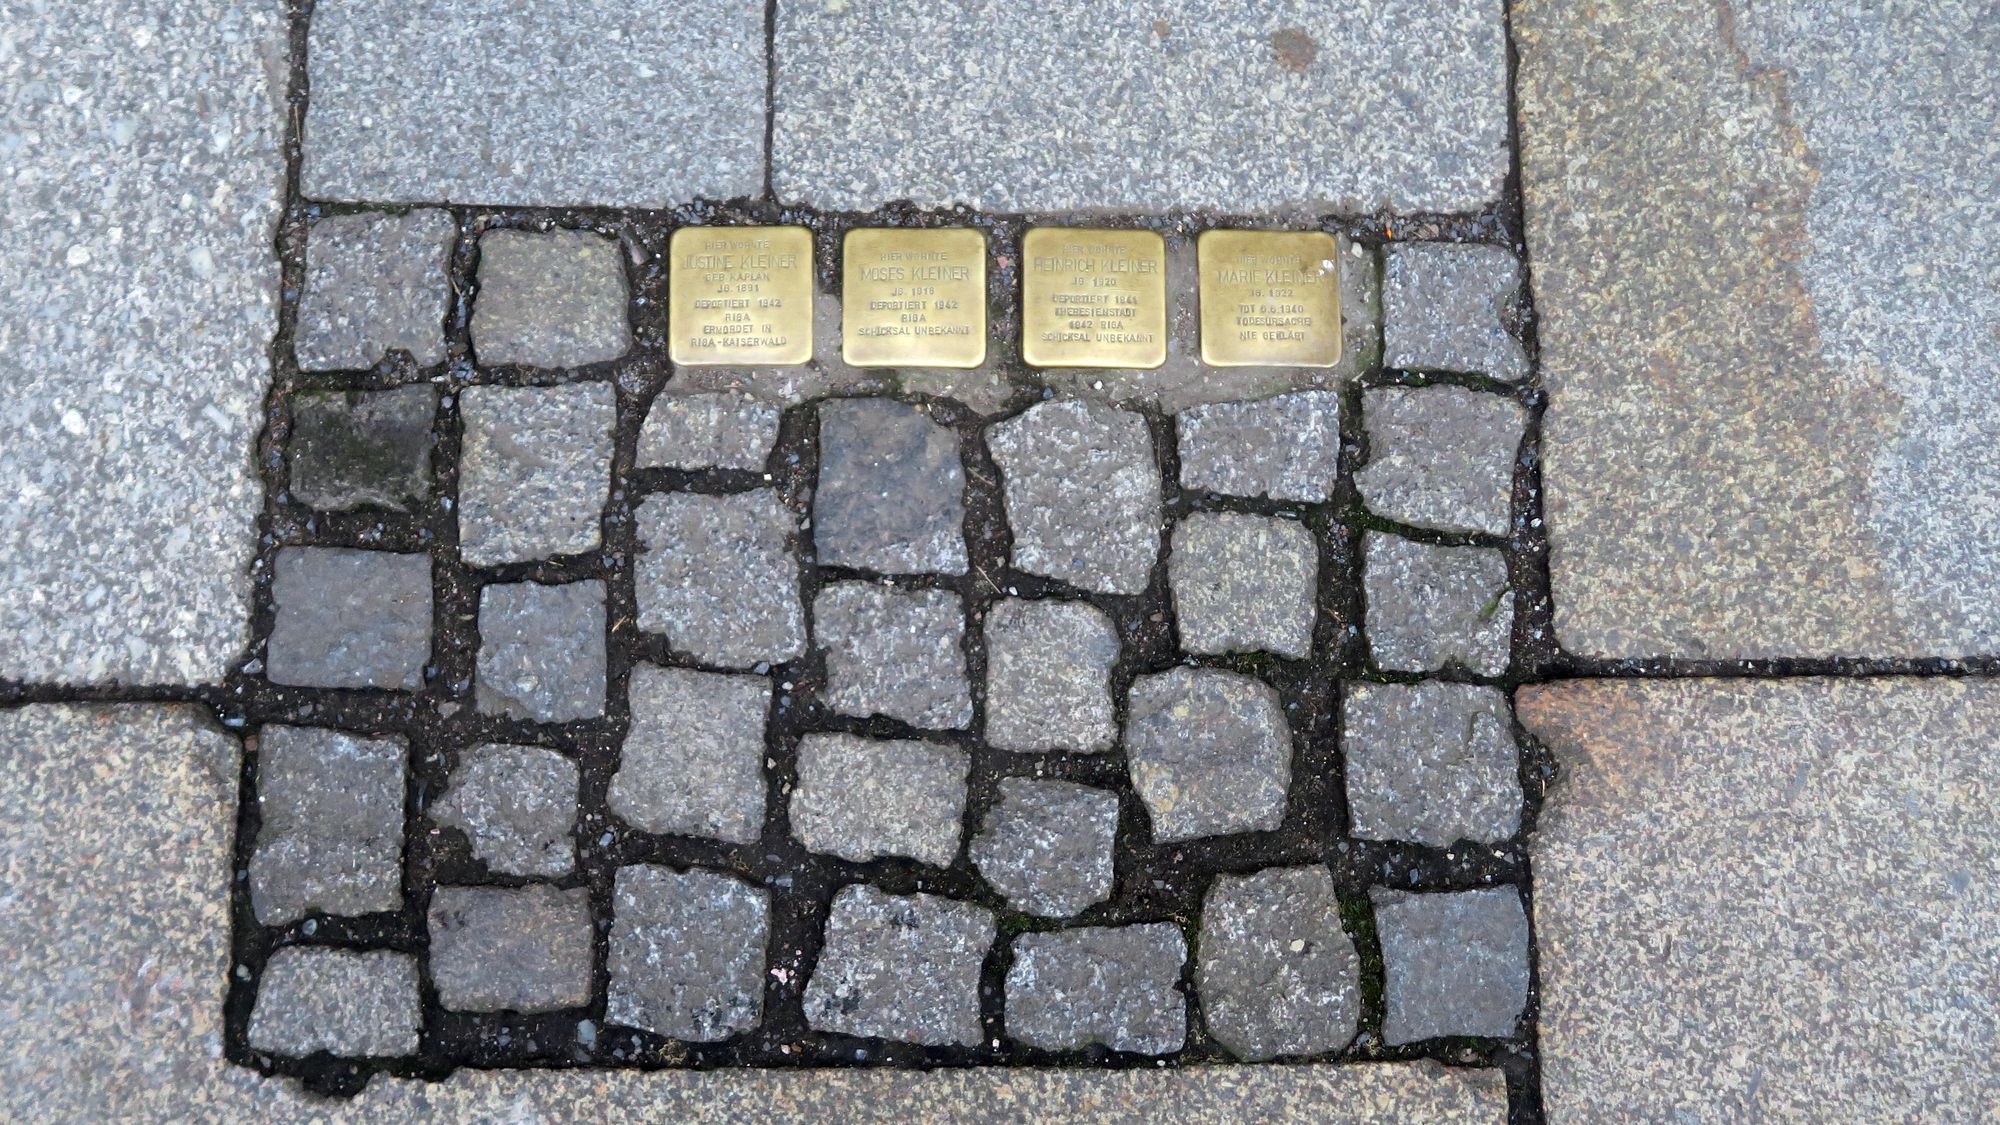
(1441, 457)
(1456, 963)
(859, 798)
(1286, 447)
(1048, 676)
(1112, 985)
(1209, 751)
(1792, 886)
(1082, 494)
(1432, 763)
(1277, 973)
(375, 283)
(1244, 583)
(550, 299)
(349, 619)
(331, 840)
(535, 103)
(534, 472)
(1176, 105)
(902, 967)
(1047, 845)
(339, 1001)
(891, 494)
(1446, 306)
(1434, 607)
(713, 430)
(1770, 432)
(687, 953)
(141, 294)
(355, 449)
(517, 805)
(719, 576)
(693, 762)
(893, 652)
(522, 949)
(541, 651)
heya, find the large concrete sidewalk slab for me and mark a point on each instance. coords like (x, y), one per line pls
(141, 171)
(1230, 104)
(116, 826)
(1769, 900)
(535, 102)
(1766, 253)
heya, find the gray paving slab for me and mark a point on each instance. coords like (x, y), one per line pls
(1769, 901)
(1235, 104)
(535, 102)
(143, 177)
(150, 919)
(1764, 240)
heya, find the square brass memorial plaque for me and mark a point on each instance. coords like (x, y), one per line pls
(1269, 298)
(1093, 298)
(740, 295)
(913, 298)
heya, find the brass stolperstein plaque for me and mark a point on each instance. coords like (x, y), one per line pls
(1269, 298)
(1093, 298)
(913, 298)
(740, 296)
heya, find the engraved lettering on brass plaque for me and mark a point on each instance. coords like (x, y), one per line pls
(913, 298)
(740, 295)
(1093, 298)
(1269, 298)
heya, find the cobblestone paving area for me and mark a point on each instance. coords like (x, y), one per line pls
(602, 714)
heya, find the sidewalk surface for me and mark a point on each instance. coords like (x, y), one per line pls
(1746, 551)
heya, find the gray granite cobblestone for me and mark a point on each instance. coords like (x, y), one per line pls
(903, 967)
(349, 618)
(534, 472)
(687, 953)
(1118, 986)
(719, 576)
(1432, 607)
(713, 430)
(693, 761)
(859, 798)
(1048, 676)
(542, 651)
(1048, 845)
(550, 299)
(1277, 974)
(1082, 494)
(898, 653)
(1286, 447)
(331, 837)
(346, 1003)
(522, 949)
(1431, 763)
(1441, 457)
(1456, 962)
(375, 283)
(891, 490)
(354, 449)
(516, 805)
(1447, 306)
(1244, 583)
(1209, 752)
